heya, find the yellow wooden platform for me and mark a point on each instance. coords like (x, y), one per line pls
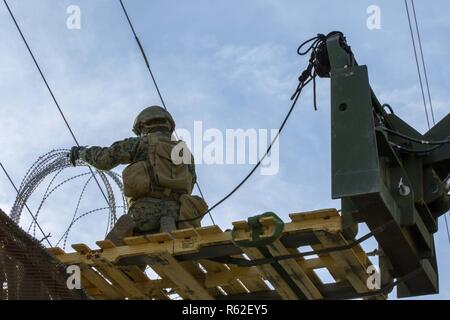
(183, 262)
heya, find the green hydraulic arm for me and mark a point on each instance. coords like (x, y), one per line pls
(383, 176)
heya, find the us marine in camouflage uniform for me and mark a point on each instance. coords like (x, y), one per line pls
(158, 208)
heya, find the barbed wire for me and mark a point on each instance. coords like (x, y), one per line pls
(54, 163)
(48, 193)
(66, 233)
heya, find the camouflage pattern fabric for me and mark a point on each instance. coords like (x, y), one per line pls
(123, 152)
(147, 212)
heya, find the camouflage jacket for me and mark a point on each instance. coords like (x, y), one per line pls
(126, 151)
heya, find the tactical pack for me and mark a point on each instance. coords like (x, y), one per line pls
(190, 208)
(158, 172)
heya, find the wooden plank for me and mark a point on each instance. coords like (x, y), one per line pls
(315, 263)
(193, 268)
(129, 241)
(155, 288)
(81, 248)
(249, 276)
(343, 259)
(56, 251)
(95, 294)
(314, 215)
(361, 256)
(330, 264)
(185, 233)
(105, 244)
(252, 296)
(186, 245)
(233, 286)
(121, 279)
(164, 263)
(158, 237)
(85, 283)
(156, 284)
(252, 280)
(296, 273)
(332, 224)
(134, 272)
(221, 278)
(267, 221)
(100, 283)
(308, 265)
(272, 275)
(146, 285)
(209, 230)
(209, 239)
(242, 224)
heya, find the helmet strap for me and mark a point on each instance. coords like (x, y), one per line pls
(155, 128)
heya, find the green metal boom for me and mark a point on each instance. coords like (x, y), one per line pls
(383, 178)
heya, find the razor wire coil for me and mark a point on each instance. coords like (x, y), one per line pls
(53, 163)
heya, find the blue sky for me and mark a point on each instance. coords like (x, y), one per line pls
(231, 64)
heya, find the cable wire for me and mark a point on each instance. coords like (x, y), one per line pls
(428, 92)
(28, 209)
(410, 150)
(306, 76)
(261, 261)
(297, 95)
(446, 226)
(141, 48)
(423, 61)
(52, 95)
(417, 62)
(426, 142)
(420, 78)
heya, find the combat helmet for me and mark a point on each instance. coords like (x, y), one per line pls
(150, 115)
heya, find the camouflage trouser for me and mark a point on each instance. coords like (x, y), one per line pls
(146, 213)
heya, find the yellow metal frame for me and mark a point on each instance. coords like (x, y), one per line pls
(179, 259)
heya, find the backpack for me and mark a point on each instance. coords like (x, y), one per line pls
(158, 171)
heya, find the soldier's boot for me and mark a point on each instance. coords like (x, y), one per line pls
(167, 224)
(122, 229)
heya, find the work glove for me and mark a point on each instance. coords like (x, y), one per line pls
(74, 155)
